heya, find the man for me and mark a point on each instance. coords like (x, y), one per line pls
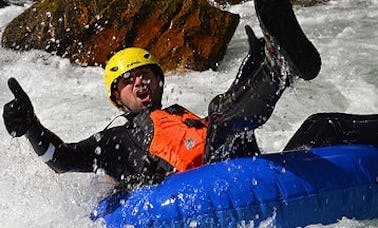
(156, 142)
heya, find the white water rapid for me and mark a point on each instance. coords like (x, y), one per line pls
(71, 101)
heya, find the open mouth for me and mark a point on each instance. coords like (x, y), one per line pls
(144, 96)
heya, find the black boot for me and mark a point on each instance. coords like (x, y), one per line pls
(287, 46)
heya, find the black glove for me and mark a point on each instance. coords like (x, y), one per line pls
(18, 114)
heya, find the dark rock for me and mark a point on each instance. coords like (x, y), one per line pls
(181, 34)
(3, 3)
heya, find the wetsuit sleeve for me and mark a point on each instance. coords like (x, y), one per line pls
(61, 157)
(108, 151)
(120, 152)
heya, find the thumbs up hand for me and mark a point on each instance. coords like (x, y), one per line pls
(18, 114)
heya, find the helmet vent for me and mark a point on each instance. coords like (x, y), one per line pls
(146, 56)
(114, 68)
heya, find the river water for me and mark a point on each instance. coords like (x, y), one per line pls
(71, 101)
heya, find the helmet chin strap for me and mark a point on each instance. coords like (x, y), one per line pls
(127, 114)
(124, 108)
(116, 117)
(126, 111)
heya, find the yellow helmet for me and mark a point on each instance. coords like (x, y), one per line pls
(124, 61)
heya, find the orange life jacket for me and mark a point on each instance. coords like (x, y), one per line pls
(179, 137)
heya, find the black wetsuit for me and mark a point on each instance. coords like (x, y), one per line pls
(327, 129)
(122, 152)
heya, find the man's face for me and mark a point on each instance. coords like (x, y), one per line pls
(139, 89)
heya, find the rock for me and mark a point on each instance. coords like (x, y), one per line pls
(3, 3)
(181, 34)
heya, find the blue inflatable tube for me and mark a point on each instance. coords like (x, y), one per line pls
(292, 189)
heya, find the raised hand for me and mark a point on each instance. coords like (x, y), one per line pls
(18, 114)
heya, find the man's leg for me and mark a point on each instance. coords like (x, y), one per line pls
(246, 105)
(262, 78)
(234, 115)
(327, 129)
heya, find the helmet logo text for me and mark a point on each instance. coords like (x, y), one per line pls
(132, 63)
